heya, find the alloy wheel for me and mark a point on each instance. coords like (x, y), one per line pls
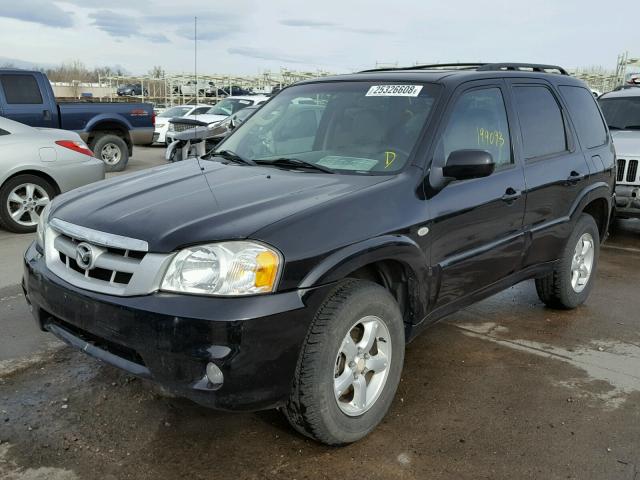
(582, 262)
(26, 202)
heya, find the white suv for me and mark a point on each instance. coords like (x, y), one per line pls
(622, 112)
(162, 119)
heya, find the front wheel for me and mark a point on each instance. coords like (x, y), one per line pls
(350, 365)
(571, 281)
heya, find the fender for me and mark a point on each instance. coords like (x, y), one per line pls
(107, 117)
(398, 248)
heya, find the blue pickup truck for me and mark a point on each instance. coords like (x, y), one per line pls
(110, 129)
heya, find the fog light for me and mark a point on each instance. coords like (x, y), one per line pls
(214, 374)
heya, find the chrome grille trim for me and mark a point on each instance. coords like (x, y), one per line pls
(632, 171)
(97, 237)
(622, 163)
(142, 271)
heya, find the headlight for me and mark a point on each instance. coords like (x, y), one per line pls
(42, 225)
(226, 268)
(171, 127)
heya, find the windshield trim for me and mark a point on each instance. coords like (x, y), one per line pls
(437, 89)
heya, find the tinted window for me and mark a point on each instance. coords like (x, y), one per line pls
(479, 121)
(622, 112)
(540, 120)
(585, 115)
(20, 89)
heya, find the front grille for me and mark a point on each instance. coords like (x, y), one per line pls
(632, 170)
(102, 262)
(621, 167)
(182, 127)
(112, 265)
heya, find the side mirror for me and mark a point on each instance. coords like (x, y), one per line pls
(467, 164)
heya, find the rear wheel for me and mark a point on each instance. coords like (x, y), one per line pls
(350, 365)
(22, 199)
(112, 150)
(571, 281)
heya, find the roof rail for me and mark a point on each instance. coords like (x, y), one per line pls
(435, 66)
(535, 67)
(480, 67)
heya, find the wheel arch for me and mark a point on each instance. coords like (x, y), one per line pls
(597, 203)
(110, 126)
(37, 173)
(396, 263)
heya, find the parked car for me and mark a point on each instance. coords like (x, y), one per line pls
(162, 119)
(131, 89)
(622, 112)
(290, 266)
(110, 129)
(201, 137)
(205, 88)
(215, 114)
(35, 166)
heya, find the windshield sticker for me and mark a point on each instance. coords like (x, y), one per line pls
(389, 157)
(348, 163)
(394, 91)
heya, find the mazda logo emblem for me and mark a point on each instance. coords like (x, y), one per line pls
(85, 257)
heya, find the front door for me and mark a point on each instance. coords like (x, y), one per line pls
(476, 234)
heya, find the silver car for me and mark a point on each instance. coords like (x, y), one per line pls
(35, 165)
(622, 112)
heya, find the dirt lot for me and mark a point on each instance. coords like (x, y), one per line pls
(504, 389)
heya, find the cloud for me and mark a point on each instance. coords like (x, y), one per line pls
(36, 11)
(264, 55)
(304, 23)
(120, 26)
(210, 27)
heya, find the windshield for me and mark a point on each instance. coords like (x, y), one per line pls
(622, 112)
(349, 127)
(174, 112)
(229, 106)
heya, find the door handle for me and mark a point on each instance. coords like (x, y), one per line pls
(511, 195)
(46, 114)
(574, 177)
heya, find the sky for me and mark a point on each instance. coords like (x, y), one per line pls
(251, 36)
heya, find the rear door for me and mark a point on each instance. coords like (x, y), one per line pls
(555, 167)
(22, 100)
(476, 233)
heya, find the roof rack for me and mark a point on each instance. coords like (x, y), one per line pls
(534, 67)
(481, 67)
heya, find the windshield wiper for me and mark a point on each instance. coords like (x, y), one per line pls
(613, 127)
(234, 157)
(295, 163)
(632, 127)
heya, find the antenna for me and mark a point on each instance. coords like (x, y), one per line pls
(195, 54)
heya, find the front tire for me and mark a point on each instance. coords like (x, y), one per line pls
(570, 284)
(112, 150)
(350, 365)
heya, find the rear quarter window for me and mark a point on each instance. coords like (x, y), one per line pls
(585, 115)
(20, 89)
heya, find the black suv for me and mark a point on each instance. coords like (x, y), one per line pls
(291, 265)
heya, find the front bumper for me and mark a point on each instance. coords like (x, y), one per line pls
(628, 201)
(170, 338)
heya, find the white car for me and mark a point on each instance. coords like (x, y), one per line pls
(218, 112)
(35, 165)
(162, 119)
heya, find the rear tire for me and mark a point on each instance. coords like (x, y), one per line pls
(570, 284)
(326, 402)
(112, 150)
(24, 193)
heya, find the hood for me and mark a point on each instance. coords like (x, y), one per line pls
(195, 202)
(206, 118)
(627, 142)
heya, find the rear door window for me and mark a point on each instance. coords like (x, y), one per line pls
(20, 89)
(585, 115)
(541, 121)
(479, 122)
